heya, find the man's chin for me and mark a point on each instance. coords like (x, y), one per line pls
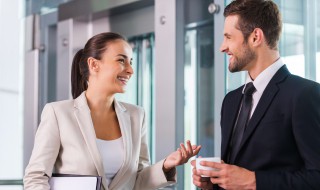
(233, 69)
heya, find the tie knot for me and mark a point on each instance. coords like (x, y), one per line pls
(250, 89)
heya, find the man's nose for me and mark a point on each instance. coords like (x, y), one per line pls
(223, 47)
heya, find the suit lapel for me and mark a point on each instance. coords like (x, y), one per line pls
(83, 116)
(233, 110)
(264, 103)
(125, 126)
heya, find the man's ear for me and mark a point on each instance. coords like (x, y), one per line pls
(93, 64)
(256, 37)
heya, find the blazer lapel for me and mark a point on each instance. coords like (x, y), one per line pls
(83, 116)
(125, 127)
(264, 102)
(233, 109)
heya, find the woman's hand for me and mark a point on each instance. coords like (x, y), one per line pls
(181, 156)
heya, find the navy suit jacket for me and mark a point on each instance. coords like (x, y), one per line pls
(282, 140)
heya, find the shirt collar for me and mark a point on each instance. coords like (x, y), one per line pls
(262, 80)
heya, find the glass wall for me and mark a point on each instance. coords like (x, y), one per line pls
(11, 52)
(198, 81)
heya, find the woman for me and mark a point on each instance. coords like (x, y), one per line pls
(94, 134)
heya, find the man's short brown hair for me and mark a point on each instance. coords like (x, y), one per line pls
(263, 14)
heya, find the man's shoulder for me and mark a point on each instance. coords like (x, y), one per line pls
(235, 92)
(296, 83)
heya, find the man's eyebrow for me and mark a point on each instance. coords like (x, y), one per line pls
(226, 35)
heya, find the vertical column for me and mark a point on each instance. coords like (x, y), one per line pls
(219, 74)
(310, 36)
(30, 87)
(64, 59)
(165, 78)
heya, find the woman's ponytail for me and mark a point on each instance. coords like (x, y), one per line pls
(79, 75)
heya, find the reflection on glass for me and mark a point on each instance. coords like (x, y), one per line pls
(199, 85)
(292, 47)
(190, 105)
(11, 187)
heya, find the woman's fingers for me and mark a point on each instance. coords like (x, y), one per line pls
(196, 151)
(184, 151)
(190, 151)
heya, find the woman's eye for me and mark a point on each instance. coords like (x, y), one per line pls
(121, 60)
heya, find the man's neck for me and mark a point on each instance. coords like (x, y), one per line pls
(263, 61)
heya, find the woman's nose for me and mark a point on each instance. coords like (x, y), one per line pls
(129, 68)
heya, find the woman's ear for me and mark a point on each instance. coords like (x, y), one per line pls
(257, 37)
(93, 64)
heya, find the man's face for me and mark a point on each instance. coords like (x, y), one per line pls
(239, 51)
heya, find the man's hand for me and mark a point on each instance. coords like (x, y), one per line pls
(229, 176)
(201, 182)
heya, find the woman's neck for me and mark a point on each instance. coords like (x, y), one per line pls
(100, 102)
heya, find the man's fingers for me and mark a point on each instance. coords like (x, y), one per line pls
(193, 163)
(196, 177)
(210, 173)
(212, 164)
(203, 184)
(215, 180)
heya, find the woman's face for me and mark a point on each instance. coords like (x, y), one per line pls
(115, 67)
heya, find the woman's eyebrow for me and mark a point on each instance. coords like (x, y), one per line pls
(124, 56)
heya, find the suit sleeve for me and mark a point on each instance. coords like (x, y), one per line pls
(44, 154)
(150, 176)
(306, 130)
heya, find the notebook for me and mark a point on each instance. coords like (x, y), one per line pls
(75, 182)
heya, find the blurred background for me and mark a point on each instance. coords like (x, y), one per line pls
(180, 75)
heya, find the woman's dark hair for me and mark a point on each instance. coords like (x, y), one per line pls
(95, 47)
(263, 14)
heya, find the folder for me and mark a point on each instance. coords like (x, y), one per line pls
(75, 182)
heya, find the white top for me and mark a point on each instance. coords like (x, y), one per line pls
(261, 82)
(112, 154)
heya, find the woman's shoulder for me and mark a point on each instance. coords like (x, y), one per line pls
(130, 107)
(64, 104)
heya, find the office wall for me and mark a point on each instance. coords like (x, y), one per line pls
(11, 58)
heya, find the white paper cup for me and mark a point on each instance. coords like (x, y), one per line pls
(210, 159)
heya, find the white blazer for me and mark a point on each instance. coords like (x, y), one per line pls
(66, 141)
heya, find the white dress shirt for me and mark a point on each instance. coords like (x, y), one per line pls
(261, 82)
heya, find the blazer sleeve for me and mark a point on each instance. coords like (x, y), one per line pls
(306, 130)
(150, 177)
(45, 152)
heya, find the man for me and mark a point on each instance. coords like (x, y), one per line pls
(271, 125)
